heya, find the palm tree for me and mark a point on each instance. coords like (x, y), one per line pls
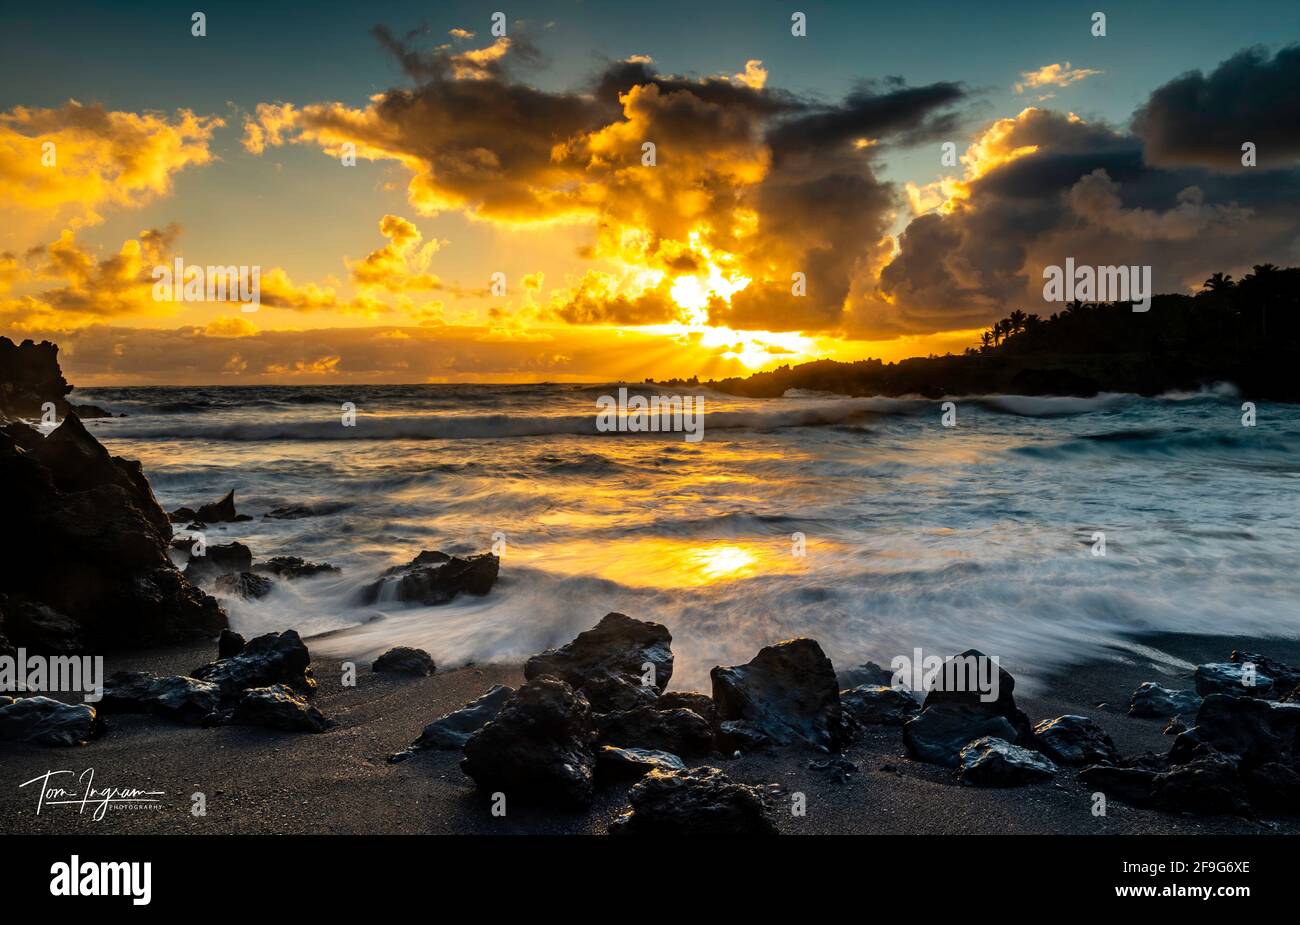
(986, 339)
(1219, 282)
(1016, 321)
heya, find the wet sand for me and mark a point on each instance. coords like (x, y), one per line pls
(260, 781)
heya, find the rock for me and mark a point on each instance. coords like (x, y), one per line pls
(218, 560)
(1151, 700)
(219, 512)
(959, 682)
(264, 660)
(868, 674)
(43, 629)
(1274, 787)
(245, 585)
(699, 704)
(1075, 740)
(1256, 731)
(1174, 726)
(88, 542)
(613, 693)
(681, 732)
(434, 578)
(1208, 784)
(452, 730)
(186, 700)
(539, 748)
(788, 691)
(279, 707)
(939, 733)
(294, 567)
(618, 647)
(837, 767)
(627, 763)
(736, 735)
(405, 660)
(1285, 678)
(1231, 678)
(1132, 785)
(699, 801)
(42, 721)
(993, 762)
(30, 377)
(229, 644)
(872, 705)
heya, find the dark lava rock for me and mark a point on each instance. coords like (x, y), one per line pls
(434, 578)
(959, 682)
(697, 703)
(699, 801)
(30, 377)
(218, 560)
(1231, 678)
(264, 660)
(872, 705)
(628, 763)
(737, 735)
(1274, 787)
(788, 691)
(230, 643)
(617, 647)
(993, 762)
(940, 732)
(1075, 740)
(294, 567)
(1256, 731)
(405, 660)
(42, 721)
(868, 674)
(1132, 785)
(452, 730)
(1152, 701)
(681, 732)
(186, 700)
(538, 749)
(246, 585)
(1208, 784)
(279, 707)
(1285, 678)
(614, 693)
(88, 542)
(219, 512)
(1174, 727)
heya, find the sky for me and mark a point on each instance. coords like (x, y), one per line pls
(427, 199)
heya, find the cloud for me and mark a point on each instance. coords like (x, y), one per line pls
(1053, 75)
(101, 159)
(1202, 121)
(401, 264)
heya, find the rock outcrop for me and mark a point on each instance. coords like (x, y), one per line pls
(434, 578)
(263, 661)
(42, 721)
(698, 801)
(608, 663)
(453, 730)
(788, 692)
(30, 378)
(992, 762)
(405, 660)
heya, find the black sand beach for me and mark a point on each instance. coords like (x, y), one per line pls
(260, 781)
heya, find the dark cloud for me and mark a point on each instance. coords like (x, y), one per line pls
(1196, 120)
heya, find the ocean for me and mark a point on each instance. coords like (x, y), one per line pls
(861, 522)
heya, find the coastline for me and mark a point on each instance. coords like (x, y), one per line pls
(260, 781)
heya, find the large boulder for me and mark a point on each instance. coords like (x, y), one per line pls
(1075, 740)
(1237, 679)
(788, 691)
(874, 705)
(42, 721)
(539, 748)
(1285, 678)
(1131, 785)
(940, 732)
(453, 730)
(969, 679)
(682, 732)
(89, 544)
(993, 762)
(264, 660)
(405, 660)
(697, 703)
(1151, 701)
(247, 586)
(434, 578)
(628, 763)
(186, 700)
(30, 378)
(698, 801)
(608, 662)
(1253, 730)
(279, 707)
(220, 559)
(1208, 784)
